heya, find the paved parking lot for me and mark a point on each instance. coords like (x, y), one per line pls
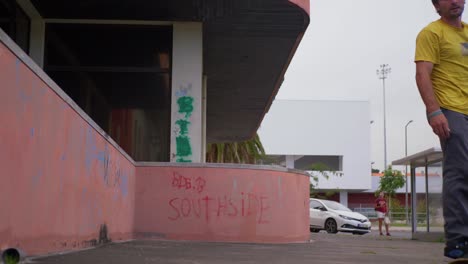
(323, 248)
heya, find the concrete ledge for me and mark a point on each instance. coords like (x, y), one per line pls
(221, 165)
(223, 203)
(429, 237)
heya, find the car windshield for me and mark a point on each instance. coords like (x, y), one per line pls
(335, 206)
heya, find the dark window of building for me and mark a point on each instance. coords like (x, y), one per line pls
(120, 75)
(307, 162)
(326, 163)
(15, 23)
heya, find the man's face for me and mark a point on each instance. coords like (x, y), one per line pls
(450, 8)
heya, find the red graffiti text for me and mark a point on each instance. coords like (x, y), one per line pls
(208, 207)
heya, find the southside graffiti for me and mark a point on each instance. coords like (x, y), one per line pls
(206, 208)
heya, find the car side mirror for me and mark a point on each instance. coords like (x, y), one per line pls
(323, 209)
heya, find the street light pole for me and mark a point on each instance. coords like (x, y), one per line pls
(382, 74)
(406, 170)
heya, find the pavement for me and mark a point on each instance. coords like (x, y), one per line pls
(322, 248)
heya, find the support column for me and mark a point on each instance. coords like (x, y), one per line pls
(414, 198)
(203, 147)
(187, 93)
(290, 161)
(344, 198)
(37, 32)
(37, 41)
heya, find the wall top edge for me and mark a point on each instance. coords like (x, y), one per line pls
(220, 166)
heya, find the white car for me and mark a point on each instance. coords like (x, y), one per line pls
(334, 217)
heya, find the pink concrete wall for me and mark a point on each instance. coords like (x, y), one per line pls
(221, 204)
(60, 180)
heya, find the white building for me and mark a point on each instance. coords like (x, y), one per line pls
(336, 133)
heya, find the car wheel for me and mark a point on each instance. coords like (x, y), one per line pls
(331, 227)
(314, 230)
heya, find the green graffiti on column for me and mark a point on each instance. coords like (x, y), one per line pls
(185, 105)
(183, 124)
(183, 145)
(183, 160)
(184, 148)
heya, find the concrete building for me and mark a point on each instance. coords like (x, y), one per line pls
(301, 133)
(107, 106)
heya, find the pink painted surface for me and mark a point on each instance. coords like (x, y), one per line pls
(60, 179)
(221, 204)
(304, 4)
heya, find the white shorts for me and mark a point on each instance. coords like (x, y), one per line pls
(380, 215)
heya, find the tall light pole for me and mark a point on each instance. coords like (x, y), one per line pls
(406, 170)
(382, 74)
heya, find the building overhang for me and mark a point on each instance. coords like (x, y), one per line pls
(248, 46)
(432, 156)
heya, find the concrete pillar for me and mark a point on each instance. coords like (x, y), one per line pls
(344, 198)
(37, 41)
(37, 33)
(203, 147)
(187, 93)
(290, 161)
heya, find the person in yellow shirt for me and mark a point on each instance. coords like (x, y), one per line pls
(442, 78)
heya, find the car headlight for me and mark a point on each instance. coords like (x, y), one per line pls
(346, 217)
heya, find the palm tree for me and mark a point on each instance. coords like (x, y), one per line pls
(245, 152)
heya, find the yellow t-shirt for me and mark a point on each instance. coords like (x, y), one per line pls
(447, 48)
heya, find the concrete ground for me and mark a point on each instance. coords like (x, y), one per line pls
(323, 248)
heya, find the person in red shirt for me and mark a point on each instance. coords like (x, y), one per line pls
(382, 210)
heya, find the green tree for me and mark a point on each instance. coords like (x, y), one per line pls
(397, 209)
(391, 181)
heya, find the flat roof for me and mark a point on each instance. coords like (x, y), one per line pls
(247, 48)
(421, 159)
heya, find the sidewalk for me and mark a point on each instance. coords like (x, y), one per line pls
(323, 248)
(375, 226)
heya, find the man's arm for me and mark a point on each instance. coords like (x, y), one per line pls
(438, 123)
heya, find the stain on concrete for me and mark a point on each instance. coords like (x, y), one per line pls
(103, 234)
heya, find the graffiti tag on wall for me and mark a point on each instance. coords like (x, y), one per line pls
(196, 203)
(113, 174)
(185, 109)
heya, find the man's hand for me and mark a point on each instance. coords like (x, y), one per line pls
(437, 121)
(440, 126)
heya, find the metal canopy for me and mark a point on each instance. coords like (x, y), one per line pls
(426, 159)
(421, 159)
(248, 46)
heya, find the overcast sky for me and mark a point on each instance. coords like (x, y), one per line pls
(340, 53)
